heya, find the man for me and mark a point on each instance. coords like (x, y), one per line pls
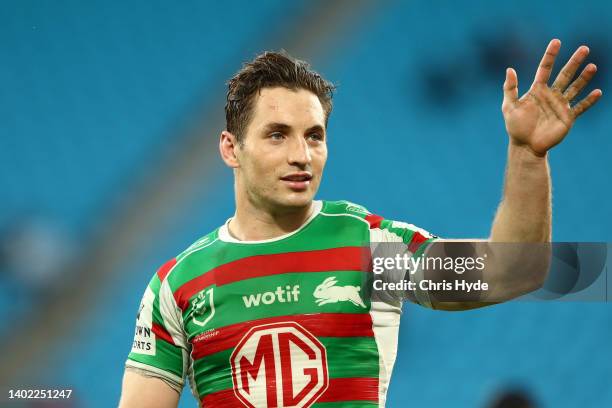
(273, 308)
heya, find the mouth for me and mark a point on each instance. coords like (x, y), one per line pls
(297, 181)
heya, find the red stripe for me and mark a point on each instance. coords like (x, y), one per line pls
(319, 324)
(223, 398)
(334, 259)
(416, 241)
(351, 389)
(374, 220)
(162, 333)
(165, 268)
(339, 389)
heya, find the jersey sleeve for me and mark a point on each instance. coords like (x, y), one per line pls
(390, 239)
(160, 346)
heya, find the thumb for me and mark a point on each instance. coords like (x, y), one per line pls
(510, 88)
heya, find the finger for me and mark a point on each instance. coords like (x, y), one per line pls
(578, 85)
(569, 70)
(587, 102)
(510, 88)
(546, 64)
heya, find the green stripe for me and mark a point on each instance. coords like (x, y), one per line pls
(404, 233)
(345, 207)
(206, 240)
(346, 404)
(213, 373)
(347, 357)
(230, 299)
(167, 357)
(351, 357)
(322, 233)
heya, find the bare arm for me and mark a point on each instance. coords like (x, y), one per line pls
(142, 391)
(535, 123)
(524, 214)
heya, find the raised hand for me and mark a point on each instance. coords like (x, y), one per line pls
(543, 116)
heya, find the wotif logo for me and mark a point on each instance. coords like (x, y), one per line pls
(281, 295)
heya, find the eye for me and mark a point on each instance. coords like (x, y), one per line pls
(276, 136)
(316, 136)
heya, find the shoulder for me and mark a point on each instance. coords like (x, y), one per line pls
(200, 244)
(355, 211)
(344, 207)
(343, 214)
(373, 220)
(191, 258)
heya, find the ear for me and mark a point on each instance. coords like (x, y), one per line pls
(331, 281)
(228, 144)
(327, 280)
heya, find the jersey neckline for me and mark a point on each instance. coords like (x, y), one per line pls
(225, 236)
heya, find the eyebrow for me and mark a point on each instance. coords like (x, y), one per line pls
(275, 126)
(282, 127)
(315, 128)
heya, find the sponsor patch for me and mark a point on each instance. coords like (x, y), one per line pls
(279, 365)
(144, 338)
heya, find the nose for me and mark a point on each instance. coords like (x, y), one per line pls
(299, 153)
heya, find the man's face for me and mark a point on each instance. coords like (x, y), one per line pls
(281, 162)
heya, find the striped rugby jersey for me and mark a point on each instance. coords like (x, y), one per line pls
(284, 322)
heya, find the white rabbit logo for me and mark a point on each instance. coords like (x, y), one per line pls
(326, 292)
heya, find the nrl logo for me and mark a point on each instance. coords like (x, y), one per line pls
(328, 292)
(200, 312)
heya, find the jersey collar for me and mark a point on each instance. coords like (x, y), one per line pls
(225, 236)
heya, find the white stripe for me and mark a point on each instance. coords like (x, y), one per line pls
(192, 381)
(379, 235)
(385, 324)
(411, 227)
(170, 316)
(159, 371)
(346, 215)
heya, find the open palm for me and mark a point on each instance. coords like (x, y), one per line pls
(543, 116)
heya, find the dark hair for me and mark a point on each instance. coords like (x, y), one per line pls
(268, 70)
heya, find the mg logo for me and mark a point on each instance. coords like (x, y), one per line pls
(279, 365)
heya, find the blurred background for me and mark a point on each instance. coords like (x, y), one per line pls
(110, 114)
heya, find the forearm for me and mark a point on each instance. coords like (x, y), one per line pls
(524, 214)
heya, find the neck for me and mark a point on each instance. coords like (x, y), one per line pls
(255, 223)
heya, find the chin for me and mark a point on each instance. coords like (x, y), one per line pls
(296, 200)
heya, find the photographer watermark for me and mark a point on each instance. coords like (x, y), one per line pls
(411, 264)
(480, 271)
